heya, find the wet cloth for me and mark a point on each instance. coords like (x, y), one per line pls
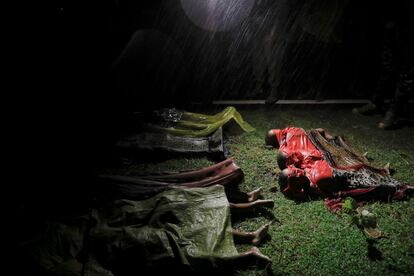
(182, 123)
(143, 186)
(302, 159)
(333, 169)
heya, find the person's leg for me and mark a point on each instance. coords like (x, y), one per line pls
(236, 196)
(389, 63)
(405, 85)
(241, 202)
(254, 252)
(387, 80)
(254, 237)
(398, 102)
(254, 195)
(249, 205)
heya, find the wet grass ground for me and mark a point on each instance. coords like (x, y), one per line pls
(307, 239)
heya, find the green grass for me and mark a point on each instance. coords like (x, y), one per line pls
(307, 239)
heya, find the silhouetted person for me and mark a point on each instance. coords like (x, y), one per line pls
(396, 78)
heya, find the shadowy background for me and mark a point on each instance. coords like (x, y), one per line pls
(87, 66)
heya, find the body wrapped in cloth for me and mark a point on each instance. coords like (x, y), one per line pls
(176, 230)
(182, 123)
(226, 173)
(178, 131)
(315, 163)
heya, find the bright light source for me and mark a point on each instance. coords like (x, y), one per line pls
(217, 15)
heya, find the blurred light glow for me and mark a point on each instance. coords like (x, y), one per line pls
(217, 15)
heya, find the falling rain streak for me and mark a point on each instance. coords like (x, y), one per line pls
(217, 15)
(246, 49)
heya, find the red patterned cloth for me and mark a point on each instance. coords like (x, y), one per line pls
(303, 159)
(331, 169)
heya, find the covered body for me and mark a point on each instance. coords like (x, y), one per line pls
(330, 168)
(176, 230)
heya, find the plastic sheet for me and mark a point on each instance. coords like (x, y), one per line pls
(157, 141)
(183, 229)
(188, 226)
(200, 125)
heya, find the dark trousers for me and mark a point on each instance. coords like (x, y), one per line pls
(396, 79)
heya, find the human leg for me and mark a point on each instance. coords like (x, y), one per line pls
(405, 84)
(254, 237)
(254, 252)
(236, 196)
(254, 195)
(387, 80)
(249, 205)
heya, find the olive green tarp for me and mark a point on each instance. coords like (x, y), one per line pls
(188, 228)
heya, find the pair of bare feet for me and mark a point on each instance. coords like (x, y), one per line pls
(253, 201)
(257, 236)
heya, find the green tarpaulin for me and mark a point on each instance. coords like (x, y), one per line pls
(187, 228)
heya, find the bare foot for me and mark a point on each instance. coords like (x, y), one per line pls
(260, 234)
(260, 202)
(254, 195)
(256, 252)
(387, 168)
(264, 203)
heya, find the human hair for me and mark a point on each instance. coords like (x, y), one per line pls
(271, 139)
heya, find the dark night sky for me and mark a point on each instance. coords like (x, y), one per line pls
(215, 63)
(329, 46)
